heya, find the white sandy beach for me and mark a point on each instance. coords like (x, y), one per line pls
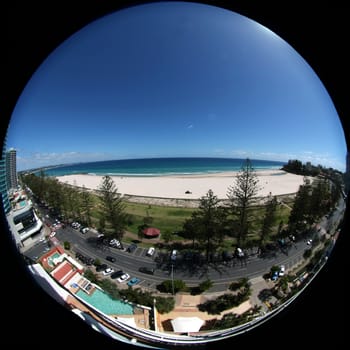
(276, 182)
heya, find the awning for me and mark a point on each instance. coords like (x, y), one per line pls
(127, 320)
(187, 324)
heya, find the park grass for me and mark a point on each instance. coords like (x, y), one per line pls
(171, 219)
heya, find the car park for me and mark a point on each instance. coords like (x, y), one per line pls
(123, 278)
(108, 271)
(150, 251)
(110, 258)
(148, 270)
(133, 281)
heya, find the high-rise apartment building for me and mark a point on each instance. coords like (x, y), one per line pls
(347, 174)
(3, 183)
(11, 169)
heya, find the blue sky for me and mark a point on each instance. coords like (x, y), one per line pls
(175, 79)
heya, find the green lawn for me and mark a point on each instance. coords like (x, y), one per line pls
(164, 218)
(171, 219)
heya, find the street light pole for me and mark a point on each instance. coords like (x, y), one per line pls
(172, 277)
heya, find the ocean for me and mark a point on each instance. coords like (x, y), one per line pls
(160, 166)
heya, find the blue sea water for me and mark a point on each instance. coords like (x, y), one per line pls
(160, 166)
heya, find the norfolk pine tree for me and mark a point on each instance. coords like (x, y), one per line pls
(113, 211)
(240, 196)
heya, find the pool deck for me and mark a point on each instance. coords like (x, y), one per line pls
(141, 318)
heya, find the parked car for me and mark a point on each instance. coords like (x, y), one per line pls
(239, 252)
(123, 278)
(108, 271)
(282, 270)
(173, 254)
(101, 267)
(84, 229)
(309, 242)
(115, 243)
(150, 251)
(132, 247)
(274, 276)
(133, 281)
(117, 274)
(147, 270)
(110, 258)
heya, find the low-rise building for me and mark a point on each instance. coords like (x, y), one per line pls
(23, 222)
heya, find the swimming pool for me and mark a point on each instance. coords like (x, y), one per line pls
(51, 258)
(105, 303)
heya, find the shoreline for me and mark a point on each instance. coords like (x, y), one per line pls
(189, 187)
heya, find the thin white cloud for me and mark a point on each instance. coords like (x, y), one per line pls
(39, 159)
(190, 126)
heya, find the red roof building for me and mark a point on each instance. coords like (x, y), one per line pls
(151, 232)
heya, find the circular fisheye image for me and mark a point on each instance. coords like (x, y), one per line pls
(174, 174)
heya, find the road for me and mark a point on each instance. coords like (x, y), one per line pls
(192, 270)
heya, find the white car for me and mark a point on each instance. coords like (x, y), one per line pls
(123, 278)
(150, 251)
(115, 243)
(282, 270)
(173, 254)
(108, 271)
(309, 242)
(240, 252)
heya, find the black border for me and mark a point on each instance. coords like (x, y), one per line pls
(318, 33)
